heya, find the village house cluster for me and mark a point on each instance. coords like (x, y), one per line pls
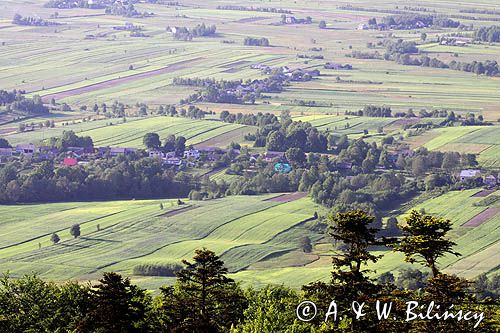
(188, 157)
(72, 156)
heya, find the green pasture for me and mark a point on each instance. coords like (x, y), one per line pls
(478, 247)
(481, 140)
(243, 230)
(131, 134)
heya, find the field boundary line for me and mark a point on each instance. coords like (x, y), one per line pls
(59, 230)
(178, 241)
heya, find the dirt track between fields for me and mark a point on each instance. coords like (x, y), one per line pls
(178, 211)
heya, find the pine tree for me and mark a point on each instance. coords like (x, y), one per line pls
(203, 298)
(117, 306)
(349, 280)
(426, 240)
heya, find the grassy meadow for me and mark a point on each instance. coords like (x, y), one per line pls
(118, 235)
(477, 246)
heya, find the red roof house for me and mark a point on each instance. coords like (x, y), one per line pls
(68, 161)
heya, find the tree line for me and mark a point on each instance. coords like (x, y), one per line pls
(387, 11)
(372, 111)
(251, 41)
(126, 10)
(204, 299)
(488, 34)
(120, 177)
(34, 21)
(404, 53)
(68, 4)
(15, 101)
(200, 30)
(413, 21)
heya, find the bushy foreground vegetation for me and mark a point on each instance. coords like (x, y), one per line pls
(204, 299)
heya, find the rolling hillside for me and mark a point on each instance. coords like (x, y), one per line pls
(116, 236)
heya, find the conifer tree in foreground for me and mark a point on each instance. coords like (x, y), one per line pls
(203, 298)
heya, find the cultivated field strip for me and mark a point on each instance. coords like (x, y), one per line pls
(130, 134)
(139, 232)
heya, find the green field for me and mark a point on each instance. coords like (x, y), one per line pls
(477, 246)
(131, 132)
(107, 54)
(258, 239)
(481, 140)
(243, 230)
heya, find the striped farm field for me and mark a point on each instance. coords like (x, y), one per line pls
(449, 134)
(458, 206)
(481, 140)
(478, 246)
(116, 133)
(119, 235)
(350, 125)
(222, 175)
(130, 134)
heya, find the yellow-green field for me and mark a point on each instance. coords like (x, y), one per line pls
(108, 54)
(118, 235)
(477, 246)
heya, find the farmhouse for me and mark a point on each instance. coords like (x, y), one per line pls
(469, 174)
(212, 153)
(79, 151)
(270, 156)
(173, 162)
(293, 20)
(161, 154)
(70, 161)
(192, 153)
(113, 151)
(5, 152)
(490, 180)
(407, 152)
(344, 165)
(26, 149)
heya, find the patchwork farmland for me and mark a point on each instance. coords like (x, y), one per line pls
(89, 60)
(129, 134)
(477, 245)
(244, 230)
(480, 140)
(258, 237)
